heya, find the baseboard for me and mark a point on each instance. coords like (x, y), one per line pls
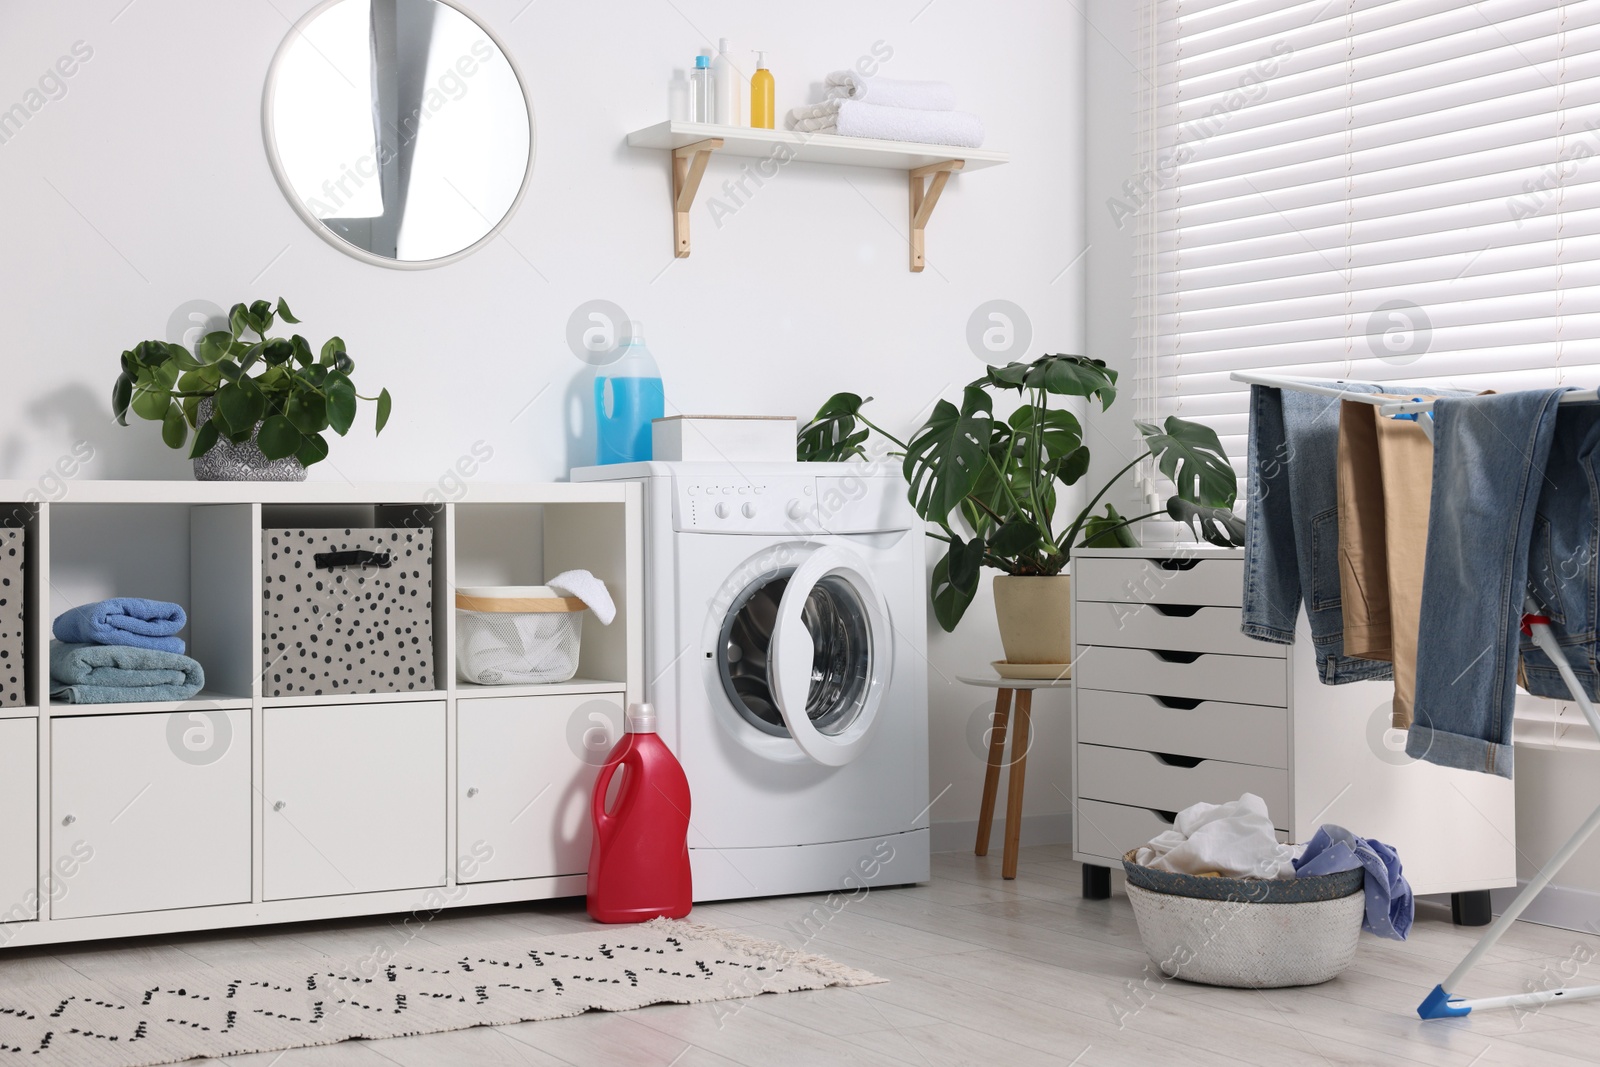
(961, 835)
(1558, 906)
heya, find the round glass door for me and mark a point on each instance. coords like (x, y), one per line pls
(841, 670)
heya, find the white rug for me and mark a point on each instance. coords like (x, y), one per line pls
(133, 1020)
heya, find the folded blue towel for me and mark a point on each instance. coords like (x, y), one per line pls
(121, 674)
(124, 620)
(1390, 904)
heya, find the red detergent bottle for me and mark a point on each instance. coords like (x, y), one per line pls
(639, 862)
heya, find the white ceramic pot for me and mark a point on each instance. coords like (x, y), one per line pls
(1035, 617)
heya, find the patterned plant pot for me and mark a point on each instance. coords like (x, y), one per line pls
(229, 462)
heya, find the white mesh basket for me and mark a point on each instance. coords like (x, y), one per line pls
(517, 635)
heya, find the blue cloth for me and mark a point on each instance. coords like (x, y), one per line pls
(1390, 904)
(1489, 459)
(121, 674)
(1292, 527)
(124, 620)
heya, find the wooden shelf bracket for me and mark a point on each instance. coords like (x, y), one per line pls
(688, 167)
(923, 199)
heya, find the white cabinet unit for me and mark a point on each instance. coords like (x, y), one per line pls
(1173, 705)
(148, 818)
(236, 808)
(355, 799)
(19, 819)
(526, 768)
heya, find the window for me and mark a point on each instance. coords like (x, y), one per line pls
(1382, 190)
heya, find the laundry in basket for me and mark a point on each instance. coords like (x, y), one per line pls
(519, 634)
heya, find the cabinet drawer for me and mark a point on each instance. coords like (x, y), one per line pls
(354, 799)
(1210, 729)
(1203, 676)
(1145, 779)
(526, 768)
(1177, 580)
(19, 819)
(1108, 831)
(1182, 628)
(149, 812)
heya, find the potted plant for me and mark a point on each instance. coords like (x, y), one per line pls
(990, 487)
(265, 426)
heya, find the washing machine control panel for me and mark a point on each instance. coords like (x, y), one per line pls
(756, 505)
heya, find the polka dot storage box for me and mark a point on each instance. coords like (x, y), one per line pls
(346, 611)
(13, 670)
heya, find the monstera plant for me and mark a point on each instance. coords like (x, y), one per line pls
(990, 486)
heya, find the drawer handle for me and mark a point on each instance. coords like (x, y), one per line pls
(280, 805)
(1176, 657)
(472, 791)
(1181, 703)
(355, 557)
(1176, 564)
(1177, 611)
(69, 820)
(1178, 761)
(1168, 817)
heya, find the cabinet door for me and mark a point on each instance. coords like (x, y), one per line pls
(149, 811)
(354, 797)
(19, 819)
(525, 771)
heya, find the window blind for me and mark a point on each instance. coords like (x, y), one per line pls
(1384, 190)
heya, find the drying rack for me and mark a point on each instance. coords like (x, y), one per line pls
(1441, 1003)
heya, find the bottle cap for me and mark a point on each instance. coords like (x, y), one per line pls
(701, 62)
(761, 59)
(635, 334)
(641, 719)
(722, 45)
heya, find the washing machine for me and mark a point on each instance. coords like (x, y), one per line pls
(785, 653)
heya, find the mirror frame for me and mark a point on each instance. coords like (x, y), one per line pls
(270, 139)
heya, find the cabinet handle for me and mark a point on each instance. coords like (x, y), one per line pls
(280, 805)
(472, 792)
(1182, 564)
(1171, 656)
(69, 820)
(1172, 760)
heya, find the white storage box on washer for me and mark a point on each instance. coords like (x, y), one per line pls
(346, 611)
(517, 635)
(723, 439)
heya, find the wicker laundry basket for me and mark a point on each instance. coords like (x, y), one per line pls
(1247, 933)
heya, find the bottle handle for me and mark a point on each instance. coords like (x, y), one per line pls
(602, 785)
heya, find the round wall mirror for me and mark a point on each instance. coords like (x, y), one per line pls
(398, 129)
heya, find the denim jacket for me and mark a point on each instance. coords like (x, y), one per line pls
(1292, 527)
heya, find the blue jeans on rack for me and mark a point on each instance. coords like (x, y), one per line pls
(1489, 487)
(1292, 526)
(1563, 558)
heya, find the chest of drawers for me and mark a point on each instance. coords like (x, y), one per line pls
(1173, 705)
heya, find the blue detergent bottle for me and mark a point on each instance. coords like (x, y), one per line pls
(627, 396)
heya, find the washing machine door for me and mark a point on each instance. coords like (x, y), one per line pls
(831, 656)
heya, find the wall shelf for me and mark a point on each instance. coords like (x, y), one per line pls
(692, 144)
(575, 687)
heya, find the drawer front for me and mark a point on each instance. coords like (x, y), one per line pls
(1144, 779)
(526, 768)
(1210, 729)
(1182, 628)
(1108, 831)
(19, 829)
(354, 799)
(1160, 581)
(149, 811)
(1206, 676)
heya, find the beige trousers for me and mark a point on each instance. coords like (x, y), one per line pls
(1385, 482)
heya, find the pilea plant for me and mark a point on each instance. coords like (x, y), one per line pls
(293, 394)
(989, 485)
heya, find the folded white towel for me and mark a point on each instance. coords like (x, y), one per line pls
(851, 118)
(891, 92)
(589, 589)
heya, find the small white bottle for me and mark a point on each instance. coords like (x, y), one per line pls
(729, 104)
(702, 91)
(678, 96)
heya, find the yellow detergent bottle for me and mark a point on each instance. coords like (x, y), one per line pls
(761, 95)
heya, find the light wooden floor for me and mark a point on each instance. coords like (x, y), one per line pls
(981, 971)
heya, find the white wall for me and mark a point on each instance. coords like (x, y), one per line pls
(145, 186)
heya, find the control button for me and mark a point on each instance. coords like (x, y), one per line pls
(749, 510)
(799, 509)
(743, 489)
(722, 510)
(808, 490)
(727, 490)
(694, 489)
(757, 490)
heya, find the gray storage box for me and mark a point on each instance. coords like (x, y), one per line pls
(13, 668)
(346, 611)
